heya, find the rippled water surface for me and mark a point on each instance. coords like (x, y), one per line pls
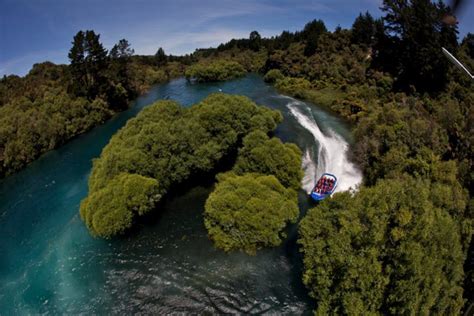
(50, 264)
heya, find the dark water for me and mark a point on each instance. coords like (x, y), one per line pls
(50, 264)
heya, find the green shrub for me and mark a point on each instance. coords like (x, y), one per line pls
(387, 250)
(169, 143)
(110, 210)
(273, 76)
(293, 86)
(215, 71)
(249, 212)
(261, 154)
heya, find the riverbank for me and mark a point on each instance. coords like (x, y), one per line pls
(34, 118)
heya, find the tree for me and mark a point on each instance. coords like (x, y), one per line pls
(218, 70)
(160, 56)
(261, 154)
(273, 75)
(311, 33)
(363, 30)
(249, 212)
(121, 50)
(88, 64)
(121, 88)
(419, 34)
(255, 41)
(468, 41)
(97, 63)
(111, 210)
(78, 68)
(387, 250)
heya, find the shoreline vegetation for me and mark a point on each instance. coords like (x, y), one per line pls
(54, 103)
(402, 244)
(220, 70)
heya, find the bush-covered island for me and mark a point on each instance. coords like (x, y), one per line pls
(164, 146)
(219, 70)
(249, 212)
(252, 205)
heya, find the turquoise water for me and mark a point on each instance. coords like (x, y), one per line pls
(50, 264)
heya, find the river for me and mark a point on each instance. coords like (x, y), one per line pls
(51, 265)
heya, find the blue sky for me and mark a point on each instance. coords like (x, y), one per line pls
(37, 30)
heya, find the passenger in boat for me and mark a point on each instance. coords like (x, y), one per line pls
(331, 182)
(318, 187)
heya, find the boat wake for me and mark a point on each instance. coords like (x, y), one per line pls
(332, 153)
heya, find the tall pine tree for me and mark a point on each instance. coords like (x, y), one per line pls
(417, 35)
(77, 68)
(363, 30)
(89, 64)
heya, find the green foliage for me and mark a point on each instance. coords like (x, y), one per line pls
(293, 86)
(215, 71)
(416, 33)
(54, 103)
(170, 144)
(255, 41)
(160, 56)
(273, 75)
(36, 119)
(249, 212)
(387, 250)
(264, 155)
(311, 33)
(122, 49)
(110, 210)
(88, 63)
(468, 42)
(363, 30)
(326, 97)
(144, 76)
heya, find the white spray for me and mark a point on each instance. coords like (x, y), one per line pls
(332, 153)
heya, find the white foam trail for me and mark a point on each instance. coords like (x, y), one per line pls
(309, 168)
(332, 153)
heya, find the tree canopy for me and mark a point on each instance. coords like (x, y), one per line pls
(88, 63)
(249, 212)
(311, 33)
(261, 154)
(122, 49)
(169, 144)
(364, 30)
(386, 250)
(255, 41)
(111, 209)
(215, 71)
(418, 33)
(53, 103)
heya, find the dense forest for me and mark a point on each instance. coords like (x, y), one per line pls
(401, 244)
(54, 103)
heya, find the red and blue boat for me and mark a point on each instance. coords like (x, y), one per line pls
(324, 187)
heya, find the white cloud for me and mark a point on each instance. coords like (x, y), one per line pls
(186, 42)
